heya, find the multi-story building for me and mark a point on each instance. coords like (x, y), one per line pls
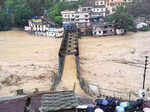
(99, 8)
(68, 16)
(99, 2)
(83, 22)
(112, 4)
(72, 17)
(104, 29)
(82, 17)
(85, 8)
(99, 11)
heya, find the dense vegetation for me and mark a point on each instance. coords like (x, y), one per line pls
(125, 14)
(122, 19)
(15, 13)
(139, 8)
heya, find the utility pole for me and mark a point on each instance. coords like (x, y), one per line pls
(146, 63)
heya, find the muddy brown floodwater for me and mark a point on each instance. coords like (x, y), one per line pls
(115, 62)
(69, 76)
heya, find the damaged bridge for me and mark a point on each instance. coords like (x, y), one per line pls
(69, 77)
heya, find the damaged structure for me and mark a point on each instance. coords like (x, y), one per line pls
(105, 29)
(43, 27)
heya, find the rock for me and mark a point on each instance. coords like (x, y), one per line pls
(133, 50)
(94, 90)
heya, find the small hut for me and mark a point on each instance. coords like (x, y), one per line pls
(63, 101)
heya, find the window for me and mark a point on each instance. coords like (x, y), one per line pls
(77, 19)
(89, 9)
(96, 3)
(84, 9)
(86, 16)
(65, 15)
(104, 32)
(105, 27)
(77, 16)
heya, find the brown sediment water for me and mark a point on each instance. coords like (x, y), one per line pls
(29, 56)
(69, 77)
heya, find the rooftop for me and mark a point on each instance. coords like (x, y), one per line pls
(58, 101)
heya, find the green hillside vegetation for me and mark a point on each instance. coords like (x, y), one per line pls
(122, 18)
(15, 13)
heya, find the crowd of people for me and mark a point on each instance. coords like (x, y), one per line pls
(110, 104)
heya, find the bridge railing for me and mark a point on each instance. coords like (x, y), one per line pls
(129, 96)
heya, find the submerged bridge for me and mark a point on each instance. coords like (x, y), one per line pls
(68, 77)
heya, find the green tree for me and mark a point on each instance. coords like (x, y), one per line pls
(20, 12)
(36, 6)
(5, 23)
(122, 19)
(22, 16)
(58, 6)
(139, 8)
(58, 19)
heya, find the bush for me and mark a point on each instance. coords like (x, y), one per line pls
(58, 19)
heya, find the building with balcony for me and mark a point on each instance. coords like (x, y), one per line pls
(68, 17)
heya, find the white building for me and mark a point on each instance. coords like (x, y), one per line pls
(82, 17)
(99, 2)
(103, 29)
(68, 16)
(99, 11)
(99, 8)
(85, 8)
(75, 17)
